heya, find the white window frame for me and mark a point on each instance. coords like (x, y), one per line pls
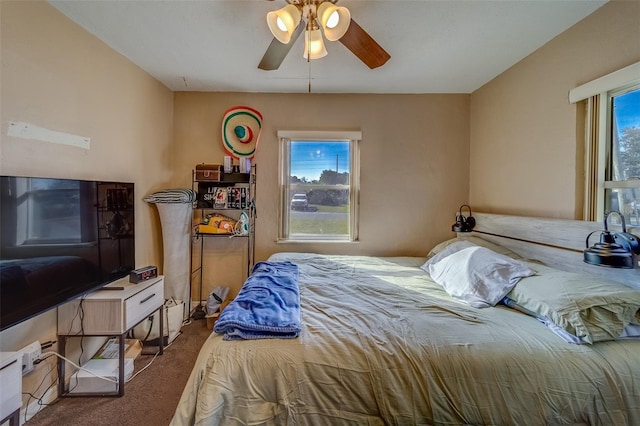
(609, 183)
(599, 94)
(285, 137)
(28, 210)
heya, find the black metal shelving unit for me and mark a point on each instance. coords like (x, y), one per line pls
(204, 204)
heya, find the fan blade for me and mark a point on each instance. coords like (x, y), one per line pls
(360, 43)
(276, 52)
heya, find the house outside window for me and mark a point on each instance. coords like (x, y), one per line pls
(319, 186)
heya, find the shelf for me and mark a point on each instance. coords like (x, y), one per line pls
(224, 197)
(205, 234)
(233, 189)
(198, 207)
(115, 209)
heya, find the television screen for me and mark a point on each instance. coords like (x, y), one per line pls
(61, 238)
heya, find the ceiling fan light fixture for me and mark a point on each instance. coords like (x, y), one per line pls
(283, 22)
(314, 45)
(334, 20)
(316, 18)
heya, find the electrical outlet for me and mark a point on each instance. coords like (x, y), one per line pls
(30, 354)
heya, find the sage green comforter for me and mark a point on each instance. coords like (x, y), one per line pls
(382, 344)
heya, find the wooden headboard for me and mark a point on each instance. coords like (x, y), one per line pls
(555, 242)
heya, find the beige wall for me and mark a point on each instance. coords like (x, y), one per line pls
(513, 145)
(57, 76)
(414, 152)
(526, 140)
(414, 166)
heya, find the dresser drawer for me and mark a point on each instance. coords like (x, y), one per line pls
(143, 304)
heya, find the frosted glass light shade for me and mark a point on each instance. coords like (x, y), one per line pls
(313, 43)
(334, 20)
(283, 22)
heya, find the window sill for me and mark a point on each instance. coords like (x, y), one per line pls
(314, 241)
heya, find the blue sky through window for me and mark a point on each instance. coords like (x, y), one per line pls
(627, 110)
(310, 158)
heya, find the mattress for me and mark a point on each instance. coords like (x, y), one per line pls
(381, 343)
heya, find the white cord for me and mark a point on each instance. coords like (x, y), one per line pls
(143, 368)
(148, 364)
(76, 365)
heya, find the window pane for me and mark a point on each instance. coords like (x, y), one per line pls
(625, 149)
(319, 184)
(626, 201)
(53, 211)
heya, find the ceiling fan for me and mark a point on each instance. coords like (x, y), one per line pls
(309, 16)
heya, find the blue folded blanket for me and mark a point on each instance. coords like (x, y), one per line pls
(267, 307)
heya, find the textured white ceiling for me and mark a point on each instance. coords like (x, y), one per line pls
(448, 46)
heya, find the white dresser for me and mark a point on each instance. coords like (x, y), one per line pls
(111, 311)
(10, 387)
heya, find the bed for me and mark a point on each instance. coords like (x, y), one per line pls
(381, 342)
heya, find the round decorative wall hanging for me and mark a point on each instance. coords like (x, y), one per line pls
(241, 127)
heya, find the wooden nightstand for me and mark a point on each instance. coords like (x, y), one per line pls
(109, 313)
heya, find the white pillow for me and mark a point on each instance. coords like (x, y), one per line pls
(477, 241)
(448, 250)
(478, 276)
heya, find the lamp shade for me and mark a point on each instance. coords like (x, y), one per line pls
(615, 249)
(313, 45)
(283, 22)
(334, 20)
(608, 253)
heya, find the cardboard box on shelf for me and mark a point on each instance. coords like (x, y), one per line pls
(110, 350)
(208, 172)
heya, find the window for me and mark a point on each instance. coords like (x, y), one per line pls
(319, 174)
(612, 164)
(52, 210)
(622, 166)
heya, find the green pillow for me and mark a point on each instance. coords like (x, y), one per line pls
(587, 307)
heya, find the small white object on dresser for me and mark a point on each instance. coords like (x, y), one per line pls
(111, 311)
(10, 387)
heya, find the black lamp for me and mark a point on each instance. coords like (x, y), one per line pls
(464, 224)
(615, 249)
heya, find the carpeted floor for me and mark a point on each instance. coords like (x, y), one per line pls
(150, 398)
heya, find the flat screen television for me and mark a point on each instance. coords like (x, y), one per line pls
(61, 238)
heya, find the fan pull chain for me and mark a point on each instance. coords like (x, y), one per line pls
(309, 54)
